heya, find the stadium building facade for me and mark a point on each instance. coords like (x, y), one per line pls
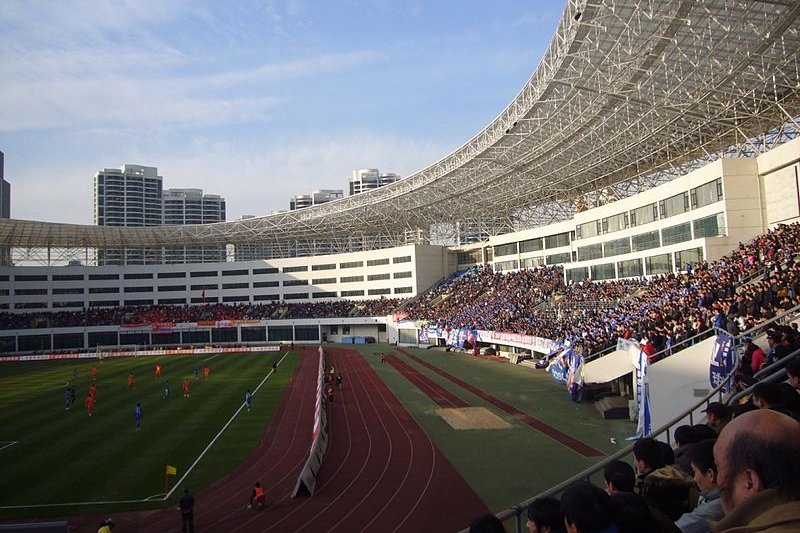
(700, 216)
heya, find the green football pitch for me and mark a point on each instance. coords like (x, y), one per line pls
(51, 456)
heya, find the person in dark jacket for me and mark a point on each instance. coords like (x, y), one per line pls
(186, 507)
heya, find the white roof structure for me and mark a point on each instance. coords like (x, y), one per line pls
(628, 93)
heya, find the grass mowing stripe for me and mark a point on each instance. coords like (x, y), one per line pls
(110, 458)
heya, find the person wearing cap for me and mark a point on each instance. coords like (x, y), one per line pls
(717, 415)
(106, 526)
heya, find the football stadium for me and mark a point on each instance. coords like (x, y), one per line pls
(618, 350)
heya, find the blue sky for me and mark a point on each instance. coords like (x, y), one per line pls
(253, 100)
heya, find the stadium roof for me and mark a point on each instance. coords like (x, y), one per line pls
(627, 92)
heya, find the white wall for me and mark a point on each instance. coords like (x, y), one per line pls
(680, 381)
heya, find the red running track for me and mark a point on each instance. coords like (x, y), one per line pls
(381, 472)
(539, 425)
(438, 394)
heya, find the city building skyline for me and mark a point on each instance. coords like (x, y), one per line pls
(134, 196)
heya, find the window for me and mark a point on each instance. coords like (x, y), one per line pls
(295, 282)
(203, 274)
(295, 296)
(58, 305)
(646, 241)
(505, 249)
(376, 277)
(243, 272)
(712, 226)
(163, 275)
(644, 215)
(377, 262)
(68, 291)
(556, 241)
(505, 266)
(147, 275)
(658, 264)
(532, 262)
(20, 277)
(103, 303)
(377, 292)
(556, 259)
(329, 266)
(346, 294)
(706, 194)
(205, 287)
(138, 302)
(172, 301)
(331, 294)
(171, 288)
(30, 292)
(235, 286)
(469, 258)
(266, 297)
(588, 229)
(323, 281)
(103, 277)
(605, 271)
(260, 284)
(403, 259)
(674, 205)
(351, 264)
(67, 277)
(577, 275)
(138, 289)
(593, 251)
(401, 275)
(617, 247)
(692, 255)
(531, 245)
(298, 268)
(630, 269)
(615, 223)
(236, 298)
(265, 271)
(103, 290)
(403, 290)
(351, 279)
(676, 234)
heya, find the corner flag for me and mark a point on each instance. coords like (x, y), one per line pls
(171, 471)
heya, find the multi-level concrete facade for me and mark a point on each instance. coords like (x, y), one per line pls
(366, 179)
(133, 196)
(318, 196)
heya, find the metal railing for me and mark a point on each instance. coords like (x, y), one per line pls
(773, 372)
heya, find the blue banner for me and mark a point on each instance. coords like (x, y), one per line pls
(642, 398)
(722, 362)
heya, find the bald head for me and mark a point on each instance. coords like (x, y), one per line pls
(757, 451)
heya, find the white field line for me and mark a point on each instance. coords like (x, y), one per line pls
(219, 434)
(156, 497)
(7, 444)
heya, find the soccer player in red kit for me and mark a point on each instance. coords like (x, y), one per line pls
(89, 404)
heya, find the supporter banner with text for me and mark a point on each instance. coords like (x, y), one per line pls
(642, 397)
(722, 362)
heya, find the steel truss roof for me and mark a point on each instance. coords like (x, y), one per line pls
(628, 93)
